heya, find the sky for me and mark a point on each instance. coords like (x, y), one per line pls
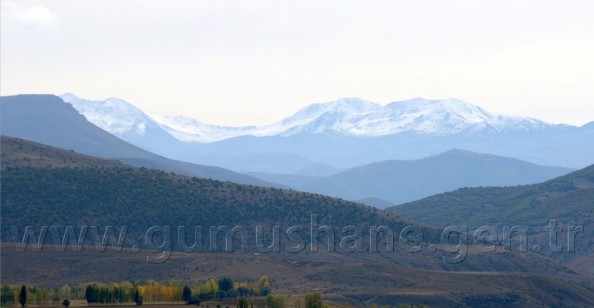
(256, 62)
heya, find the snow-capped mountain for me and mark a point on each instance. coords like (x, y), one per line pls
(122, 120)
(349, 116)
(344, 133)
(357, 117)
(113, 115)
(190, 130)
(317, 118)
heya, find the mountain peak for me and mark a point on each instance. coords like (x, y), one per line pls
(345, 106)
(347, 116)
(452, 106)
(114, 115)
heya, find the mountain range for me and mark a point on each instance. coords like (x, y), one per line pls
(49, 120)
(343, 134)
(348, 116)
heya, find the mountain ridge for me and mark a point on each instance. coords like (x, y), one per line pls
(399, 181)
(351, 132)
(351, 116)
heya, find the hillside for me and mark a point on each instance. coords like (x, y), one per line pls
(49, 120)
(42, 185)
(569, 199)
(16, 152)
(399, 181)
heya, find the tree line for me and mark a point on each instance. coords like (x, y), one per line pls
(138, 292)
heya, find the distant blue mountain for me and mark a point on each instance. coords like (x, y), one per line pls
(345, 133)
(398, 181)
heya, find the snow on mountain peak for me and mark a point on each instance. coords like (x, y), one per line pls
(113, 114)
(335, 115)
(350, 116)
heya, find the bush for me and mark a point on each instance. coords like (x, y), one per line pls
(232, 293)
(265, 291)
(243, 291)
(194, 300)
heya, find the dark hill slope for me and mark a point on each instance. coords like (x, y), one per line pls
(568, 199)
(45, 186)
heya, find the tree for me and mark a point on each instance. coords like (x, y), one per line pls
(243, 291)
(187, 294)
(65, 303)
(137, 298)
(225, 284)
(65, 292)
(232, 293)
(313, 300)
(276, 301)
(90, 294)
(263, 283)
(242, 303)
(23, 296)
(7, 296)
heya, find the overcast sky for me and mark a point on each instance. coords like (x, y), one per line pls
(234, 63)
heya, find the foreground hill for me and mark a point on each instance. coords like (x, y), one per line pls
(45, 186)
(568, 199)
(398, 181)
(49, 120)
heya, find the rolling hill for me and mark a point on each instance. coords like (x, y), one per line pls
(402, 181)
(570, 196)
(568, 199)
